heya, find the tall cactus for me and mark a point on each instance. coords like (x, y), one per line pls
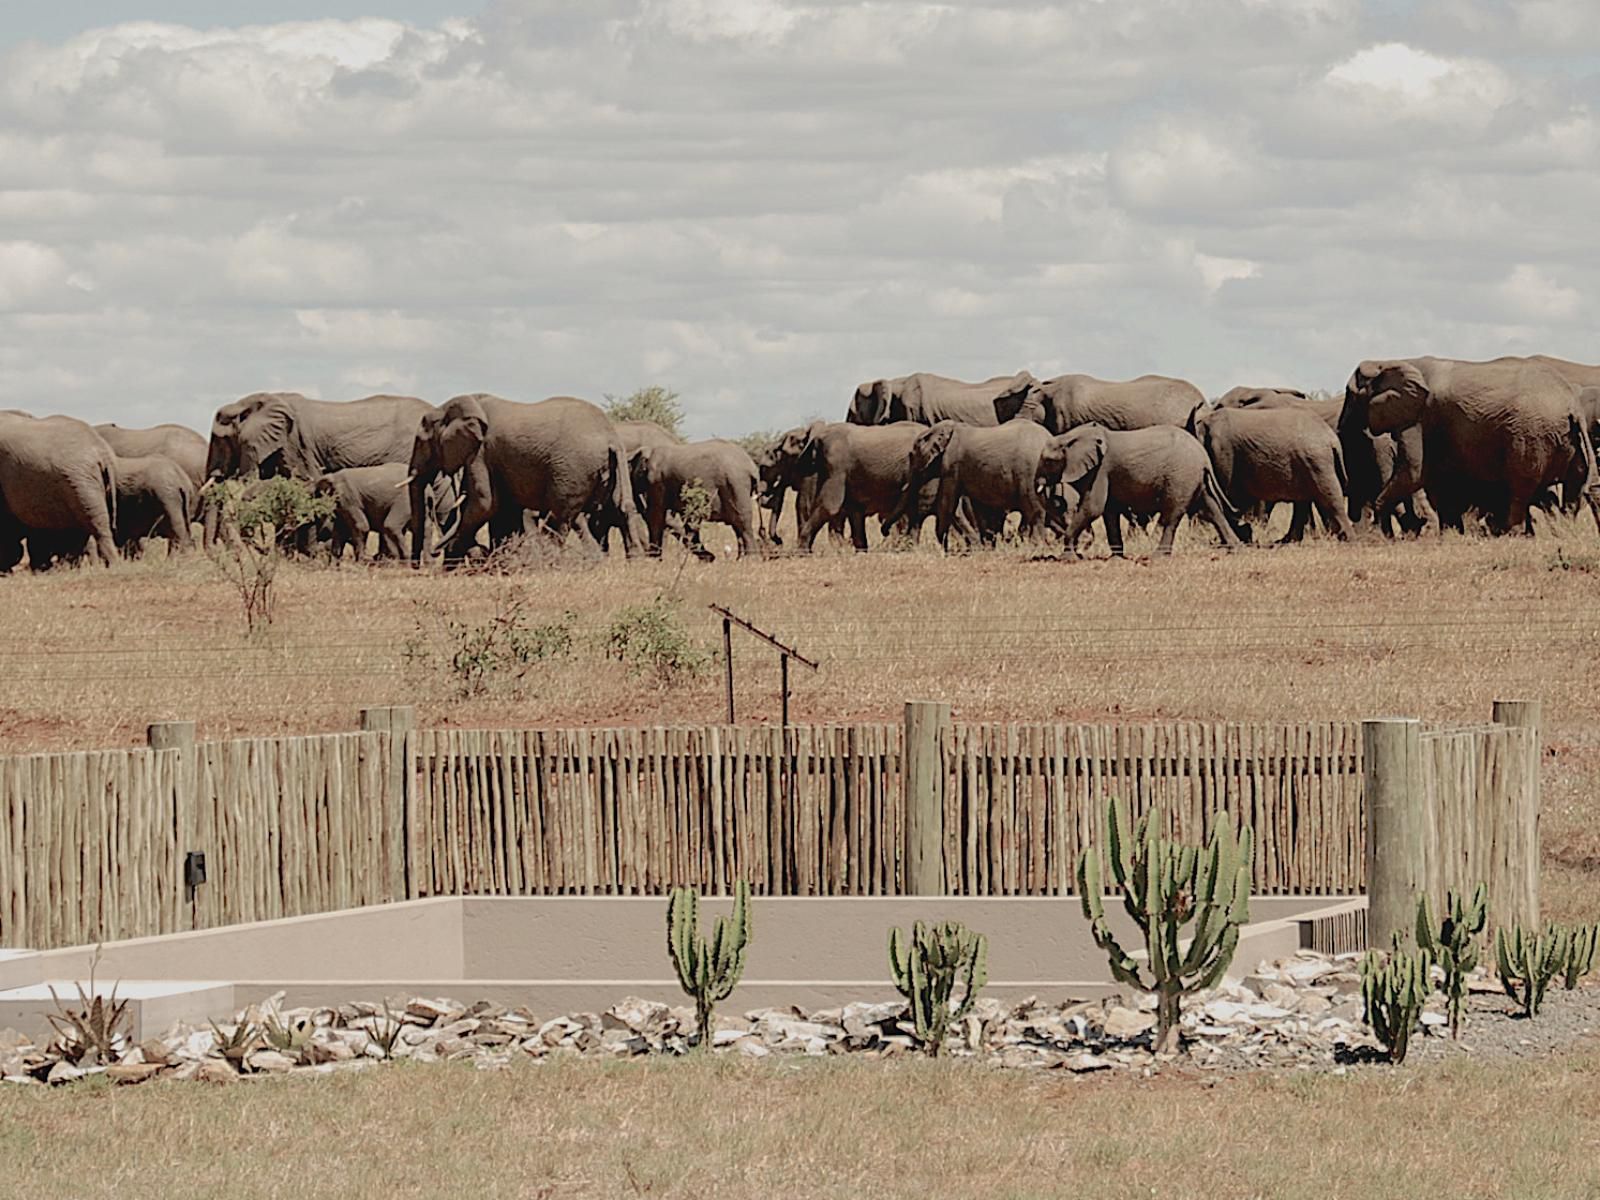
(1453, 944)
(707, 972)
(927, 970)
(1527, 962)
(1580, 954)
(1394, 988)
(1171, 890)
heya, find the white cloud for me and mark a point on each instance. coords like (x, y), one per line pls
(760, 203)
(1533, 294)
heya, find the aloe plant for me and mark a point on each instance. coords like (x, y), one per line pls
(1453, 944)
(1188, 902)
(926, 970)
(707, 971)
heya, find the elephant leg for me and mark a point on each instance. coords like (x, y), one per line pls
(1113, 523)
(1297, 523)
(858, 529)
(655, 524)
(1170, 520)
(1334, 518)
(815, 520)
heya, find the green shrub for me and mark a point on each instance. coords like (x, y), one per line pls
(652, 639)
(656, 404)
(1526, 962)
(495, 655)
(275, 508)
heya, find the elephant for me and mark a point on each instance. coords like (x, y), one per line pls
(722, 469)
(928, 399)
(994, 467)
(778, 479)
(634, 435)
(1276, 454)
(1072, 400)
(555, 460)
(378, 499)
(284, 433)
(858, 471)
(1495, 434)
(154, 498)
(178, 442)
(57, 475)
(1376, 465)
(1158, 471)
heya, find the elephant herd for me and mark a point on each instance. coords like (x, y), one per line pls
(1410, 442)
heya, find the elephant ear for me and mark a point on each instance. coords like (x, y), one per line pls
(639, 466)
(1398, 397)
(864, 404)
(269, 427)
(1082, 452)
(928, 450)
(461, 433)
(901, 398)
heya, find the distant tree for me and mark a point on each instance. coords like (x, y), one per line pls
(754, 443)
(656, 404)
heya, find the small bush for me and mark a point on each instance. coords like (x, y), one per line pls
(281, 506)
(651, 639)
(656, 404)
(493, 656)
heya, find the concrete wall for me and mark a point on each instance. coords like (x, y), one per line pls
(563, 954)
(416, 938)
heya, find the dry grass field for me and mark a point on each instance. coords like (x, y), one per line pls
(809, 1130)
(1437, 628)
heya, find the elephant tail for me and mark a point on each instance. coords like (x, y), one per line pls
(108, 482)
(1214, 490)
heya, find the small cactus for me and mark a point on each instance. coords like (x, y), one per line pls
(1580, 954)
(1453, 944)
(708, 972)
(1527, 962)
(1394, 988)
(1171, 890)
(927, 969)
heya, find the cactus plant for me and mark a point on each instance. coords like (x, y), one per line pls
(1453, 944)
(1527, 962)
(927, 969)
(1580, 954)
(1394, 988)
(708, 972)
(1171, 890)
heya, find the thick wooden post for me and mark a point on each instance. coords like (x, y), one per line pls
(399, 722)
(179, 736)
(923, 773)
(1399, 827)
(1521, 860)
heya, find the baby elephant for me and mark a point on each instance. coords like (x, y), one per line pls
(1160, 471)
(993, 467)
(367, 499)
(723, 470)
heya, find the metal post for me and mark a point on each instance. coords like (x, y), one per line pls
(727, 658)
(785, 661)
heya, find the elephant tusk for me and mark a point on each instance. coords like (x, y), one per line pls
(460, 500)
(405, 483)
(210, 483)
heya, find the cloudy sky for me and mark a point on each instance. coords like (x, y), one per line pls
(761, 203)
